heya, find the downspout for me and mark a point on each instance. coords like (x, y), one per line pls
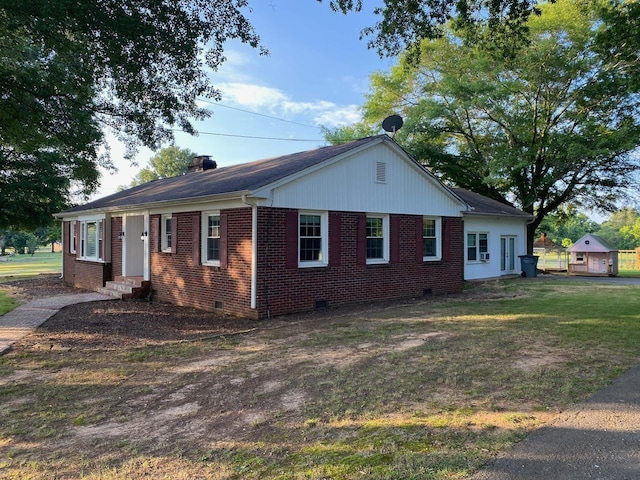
(529, 252)
(254, 251)
(63, 247)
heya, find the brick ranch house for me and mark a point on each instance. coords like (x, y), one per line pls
(348, 223)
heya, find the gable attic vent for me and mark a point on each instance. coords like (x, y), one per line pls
(201, 163)
(381, 172)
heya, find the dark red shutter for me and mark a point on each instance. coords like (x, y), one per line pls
(155, 234)
(395, 239)
(419, 241)
(335, 237)
(174, 234)
(70, 240)
(195, 239)
(361, 241)
(291, 240)
(223, 240)
(446, 239)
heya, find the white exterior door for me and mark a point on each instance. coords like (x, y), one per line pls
(507, 254)
(133, 248)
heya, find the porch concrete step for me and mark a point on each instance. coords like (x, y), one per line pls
(125, 288)
(110, 292)
(120, 286)
(136, 281)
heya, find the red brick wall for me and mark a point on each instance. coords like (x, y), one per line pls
(80, 273)
(282, 290)
(180, 279)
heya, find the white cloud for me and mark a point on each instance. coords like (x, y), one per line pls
(276, 102)
(252, 96)
(339, 116)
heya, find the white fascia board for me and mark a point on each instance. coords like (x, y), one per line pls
(184, 205)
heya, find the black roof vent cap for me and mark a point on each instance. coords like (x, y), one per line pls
(200, 163)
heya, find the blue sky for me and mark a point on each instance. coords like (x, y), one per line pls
(317, 74)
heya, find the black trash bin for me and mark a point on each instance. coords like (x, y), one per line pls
(528, 265)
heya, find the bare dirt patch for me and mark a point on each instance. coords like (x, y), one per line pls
(137, 387)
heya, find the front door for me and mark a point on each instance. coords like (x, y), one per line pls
(133, 251)
(507, 255)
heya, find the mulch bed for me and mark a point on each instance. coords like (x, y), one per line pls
(114, 324)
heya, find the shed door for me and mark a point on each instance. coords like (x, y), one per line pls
(507, 255)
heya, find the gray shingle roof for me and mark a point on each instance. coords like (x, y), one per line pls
(486, 206)
(244, 177)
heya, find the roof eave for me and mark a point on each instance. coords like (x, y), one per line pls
(164, 203)
(495, 214)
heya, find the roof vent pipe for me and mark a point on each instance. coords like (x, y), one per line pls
(200, 163)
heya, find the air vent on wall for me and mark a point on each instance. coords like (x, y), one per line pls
(381, 172)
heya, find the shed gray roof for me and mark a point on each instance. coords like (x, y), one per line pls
(482, 205)
(244, 177)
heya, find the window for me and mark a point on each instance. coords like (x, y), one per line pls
(377, 239)
(211, 243)
(312, 239)
(477, 244)
(72, 236)
(91, 239)
(167, 234)
(431, 238)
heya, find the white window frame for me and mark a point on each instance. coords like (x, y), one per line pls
(323, 261)
(477, 247)
(84, 239)
(72, 237)
(204, 236)
(165, 245)
(385, 240)
(438, 237)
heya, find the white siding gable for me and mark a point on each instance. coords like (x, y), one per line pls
(379, 179)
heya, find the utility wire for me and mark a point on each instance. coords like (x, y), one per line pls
(256, 113)
(258, 138)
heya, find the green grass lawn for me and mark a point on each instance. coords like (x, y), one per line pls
(6, 303)
(424, 389)
(628, 273)
(25, 266)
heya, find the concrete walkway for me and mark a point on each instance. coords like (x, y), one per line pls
(26, 318)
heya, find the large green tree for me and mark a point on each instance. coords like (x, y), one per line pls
(557, 124)
(168, 162)
(622, 229)
(404, 24)
(72, 70)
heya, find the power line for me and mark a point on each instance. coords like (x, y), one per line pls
(258, 114)
(257, 138)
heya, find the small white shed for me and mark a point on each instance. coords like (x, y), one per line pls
(592, 255)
